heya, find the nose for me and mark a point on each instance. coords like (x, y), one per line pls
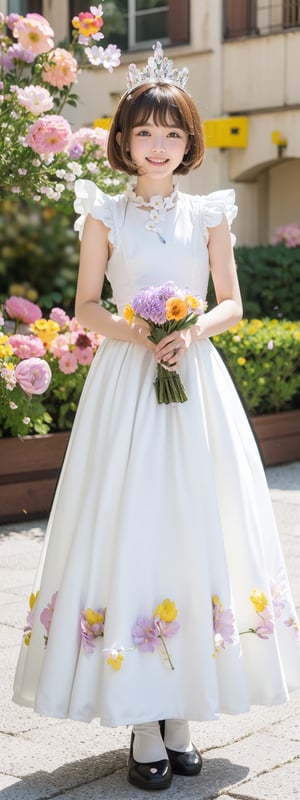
(158, 143)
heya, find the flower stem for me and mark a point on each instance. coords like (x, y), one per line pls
(166, 650)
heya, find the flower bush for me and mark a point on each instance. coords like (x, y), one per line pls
(263, 357)
(40, 156)
(43, 366)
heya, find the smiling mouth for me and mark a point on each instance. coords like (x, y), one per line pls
(157, 161)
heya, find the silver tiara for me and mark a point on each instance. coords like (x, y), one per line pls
(158, 69)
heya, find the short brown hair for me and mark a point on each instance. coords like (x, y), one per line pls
(164, 100)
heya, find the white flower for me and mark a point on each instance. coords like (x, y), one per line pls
(75, 167)
(60, 173)
(92, 166)
(95, 55)
(26, 420)
(111, 57)
(97, 11)
(35, 99)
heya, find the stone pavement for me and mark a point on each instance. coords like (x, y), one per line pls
(254, 756)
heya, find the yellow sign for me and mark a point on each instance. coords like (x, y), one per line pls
(226, 132)
(102, 122)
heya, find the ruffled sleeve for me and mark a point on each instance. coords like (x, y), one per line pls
(89, 199)
(214, 206)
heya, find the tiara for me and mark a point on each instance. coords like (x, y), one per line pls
(158, 69)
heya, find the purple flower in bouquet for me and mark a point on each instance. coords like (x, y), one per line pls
(166, 308)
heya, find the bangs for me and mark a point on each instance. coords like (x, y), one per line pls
(166, 109)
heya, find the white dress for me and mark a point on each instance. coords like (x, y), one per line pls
(159, 502)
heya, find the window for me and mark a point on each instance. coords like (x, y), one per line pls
(24, 7)
(136, 24)
(259, 17)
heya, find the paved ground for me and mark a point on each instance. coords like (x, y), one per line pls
(255, 756)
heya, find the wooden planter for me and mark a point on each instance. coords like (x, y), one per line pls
(278, 436)
(29, 470)
(29, 467)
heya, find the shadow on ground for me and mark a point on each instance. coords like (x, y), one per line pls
(110, 768)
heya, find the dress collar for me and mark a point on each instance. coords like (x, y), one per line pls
(158, 206)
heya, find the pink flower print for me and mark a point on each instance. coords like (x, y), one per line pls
(266, 624)
(145, 634)
(49, 134)
(91, 627)
(278, 597)
(28, 346)
(47, 614)
(23, 310)
(59, 315)
(33, 375)
(293, 624)
(223, 623)
(68, 363)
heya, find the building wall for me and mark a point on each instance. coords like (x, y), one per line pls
(255, 76)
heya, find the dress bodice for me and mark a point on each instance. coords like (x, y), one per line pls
(139, 257)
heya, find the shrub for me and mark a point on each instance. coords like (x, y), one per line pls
(270, 281)
(263, 357)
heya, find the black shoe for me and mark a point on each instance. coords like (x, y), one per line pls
(183, 763)
(153, 776)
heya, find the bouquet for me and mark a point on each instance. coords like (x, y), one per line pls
(166, 308)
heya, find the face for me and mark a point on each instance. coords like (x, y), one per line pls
(157, 150)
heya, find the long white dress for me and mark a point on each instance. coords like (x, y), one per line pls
(159, 502)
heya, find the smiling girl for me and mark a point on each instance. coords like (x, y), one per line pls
(162, 580)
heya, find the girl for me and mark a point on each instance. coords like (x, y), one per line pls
(162, 584)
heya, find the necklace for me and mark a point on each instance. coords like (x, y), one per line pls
(158, 208)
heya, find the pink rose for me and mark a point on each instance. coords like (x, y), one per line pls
(27, 346)
(49, 134)
(62, 71)
(33, 375)
(34, 33)
(22, 309)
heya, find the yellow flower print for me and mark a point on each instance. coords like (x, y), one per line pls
(115, 659)
(259, 600)
(166, 610)
(129, 314)
(93, 617)
(32, 600)
(241, 361)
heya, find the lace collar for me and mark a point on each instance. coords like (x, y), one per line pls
(158, 206)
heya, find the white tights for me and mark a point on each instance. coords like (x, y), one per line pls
(149, 746)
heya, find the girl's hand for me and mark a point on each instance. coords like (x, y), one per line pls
(171, 348)
(140, 331)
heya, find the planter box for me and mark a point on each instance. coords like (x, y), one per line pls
(278, 436)
(29, 469)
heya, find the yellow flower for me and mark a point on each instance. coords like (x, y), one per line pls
(176, 308)
(46, 330)
(237, 327)
(217, 602)
(241, 361)
(166, 610)
(26, 639)
(5, 347)
(32, 600)
(192, 301)
(115, 659)
(93, 617)
(259, 600)
(129, 314)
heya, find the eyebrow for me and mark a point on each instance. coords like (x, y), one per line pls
(152, 125)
